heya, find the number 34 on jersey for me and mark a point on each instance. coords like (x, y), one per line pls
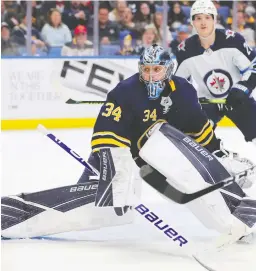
(116, 113)
(113, 111)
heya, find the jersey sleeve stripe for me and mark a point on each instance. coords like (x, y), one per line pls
(201, 132)
(208, 139)
(203, 135)
(111, 134)
(101, 142)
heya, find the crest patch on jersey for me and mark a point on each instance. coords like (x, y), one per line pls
(218, 82)
(166, 102)
(229, 33)
(181, 46)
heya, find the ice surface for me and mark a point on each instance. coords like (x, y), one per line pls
(31, 162)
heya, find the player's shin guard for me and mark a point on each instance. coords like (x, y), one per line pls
(192, 168)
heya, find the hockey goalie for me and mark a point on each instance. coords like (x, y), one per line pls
(152, 119)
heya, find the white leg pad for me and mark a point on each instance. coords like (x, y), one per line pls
(165, 157)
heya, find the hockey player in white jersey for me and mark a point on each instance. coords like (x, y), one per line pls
(222, 66)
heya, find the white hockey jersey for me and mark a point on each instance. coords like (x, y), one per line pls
(215, 70)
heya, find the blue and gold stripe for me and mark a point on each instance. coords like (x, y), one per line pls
(108, 139)
(205, 136)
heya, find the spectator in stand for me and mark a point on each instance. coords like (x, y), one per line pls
(133, 5)
(8, 16)
(88, 6)
(108, 31)
(176, 16)
(127, 23)
(56, 33)
(148, 38)
(127, 43)
(79, 46)
(143, 16)
(250, 10)
(241, 5)
(244, 29)
(117, 13)
(183, 33)
(12, 7)
(158, 21)
(250, 21)
(8, 48)
(38, 14)
(249, 17)
(19, 34)
(59, 5)
(76, 14)
(221, 24)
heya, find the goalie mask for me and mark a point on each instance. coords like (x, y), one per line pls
(155, 66)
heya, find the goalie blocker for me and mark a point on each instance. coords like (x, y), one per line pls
(189, 167)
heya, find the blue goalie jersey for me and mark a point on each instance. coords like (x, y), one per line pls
(216, 69)
(128, 114)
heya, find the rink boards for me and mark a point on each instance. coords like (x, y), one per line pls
(36, 90)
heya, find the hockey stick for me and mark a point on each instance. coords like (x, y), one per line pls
(164, 187)
(44, 131)
(211, 101)
(71, 101)
(179, 197)
(201, 100)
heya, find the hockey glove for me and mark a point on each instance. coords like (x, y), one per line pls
(238, 95)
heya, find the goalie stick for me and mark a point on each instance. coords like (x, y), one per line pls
(162, 186)
(201, 100)
(177, 196)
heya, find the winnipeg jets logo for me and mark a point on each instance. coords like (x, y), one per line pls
(230, 33)
(218, 82)
(181, 46)
(166, 102)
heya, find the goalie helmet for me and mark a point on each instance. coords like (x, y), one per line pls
(203, 7)
(155, 66)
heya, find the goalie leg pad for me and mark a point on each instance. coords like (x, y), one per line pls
(117, 178)
(63, 209)
(189, 167)
(90, 205)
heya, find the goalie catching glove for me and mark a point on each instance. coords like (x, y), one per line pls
(235, 164)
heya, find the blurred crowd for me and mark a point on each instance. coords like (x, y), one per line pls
(66, 28)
